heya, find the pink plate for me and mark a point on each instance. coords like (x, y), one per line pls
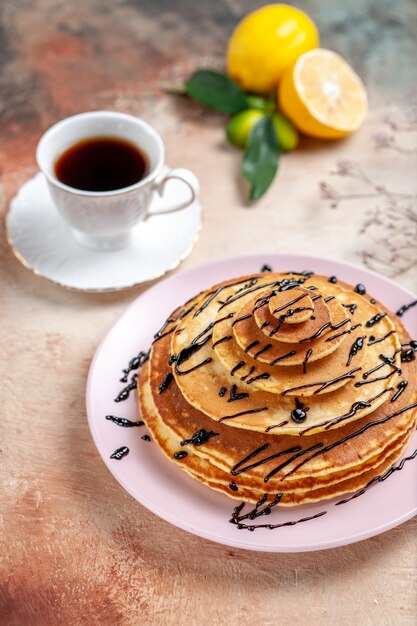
(164, 489)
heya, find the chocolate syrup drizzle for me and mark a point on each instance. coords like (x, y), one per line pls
(120, 453)
(294, 457)
(237, 296)
(323, 384)
(374, 340)
(255, 512)
(237, 518)
(160, 335)
(252, 369)
(282, 358)
(212, 295)
(305, 273)
(412, 344)
(360, 289)
(352, 308)
(381, 478)
(286, 315)
(237, 367)
(265, 375)
(375, 319)
(122, 421)
(344, 332)
(375, 380)
(386, 360)
(356, 433)
(125, 392)
(355, 348)
(180, 455)
(323, 328)
(266, 268)
(407, 355)
(221, 340)
(403, 309)
(284, 285)
(248, 458)
(262, 350)
(356, 406)
(240, 319)
(187, 352)
(166, 382)
(135, 364)
(285, 306)
(251, 527)
(238, 469)
(306, 358)
(276, 426)
(146, 438)
(236, 396)
(299, 414)
(230, 417)
(400, 389)
(199, 438)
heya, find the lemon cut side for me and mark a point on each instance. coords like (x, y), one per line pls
(323, 96)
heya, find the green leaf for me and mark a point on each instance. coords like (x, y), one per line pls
(216, 91)
(260, 161)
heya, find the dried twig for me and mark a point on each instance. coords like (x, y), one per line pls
(391, 225)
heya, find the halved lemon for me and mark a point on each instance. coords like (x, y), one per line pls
(322, 95)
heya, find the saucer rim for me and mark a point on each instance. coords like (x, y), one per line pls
(52, 281)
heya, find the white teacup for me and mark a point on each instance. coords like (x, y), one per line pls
(103, 219)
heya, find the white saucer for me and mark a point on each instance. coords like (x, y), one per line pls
(43, 242)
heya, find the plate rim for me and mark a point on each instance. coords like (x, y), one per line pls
(177, 521)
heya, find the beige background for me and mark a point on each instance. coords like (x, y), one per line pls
(75, 548)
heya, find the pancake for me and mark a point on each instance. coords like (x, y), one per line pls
(289, 307)
(310, 430)
(325, 309)
(214, 362)
(230, 446)
(242, 487)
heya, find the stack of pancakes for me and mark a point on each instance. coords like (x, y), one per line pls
(281, 383)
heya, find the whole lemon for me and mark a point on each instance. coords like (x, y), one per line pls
(265, 43)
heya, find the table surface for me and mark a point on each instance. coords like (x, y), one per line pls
(74, 547)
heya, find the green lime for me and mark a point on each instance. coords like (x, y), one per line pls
(240, 125)
(286, 133)
(257, 102)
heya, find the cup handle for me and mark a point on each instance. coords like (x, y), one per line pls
(179, 173)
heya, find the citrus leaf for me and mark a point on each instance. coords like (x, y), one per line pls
(216, 91)
(260, 161)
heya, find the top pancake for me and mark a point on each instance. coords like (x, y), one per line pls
(292, 308)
